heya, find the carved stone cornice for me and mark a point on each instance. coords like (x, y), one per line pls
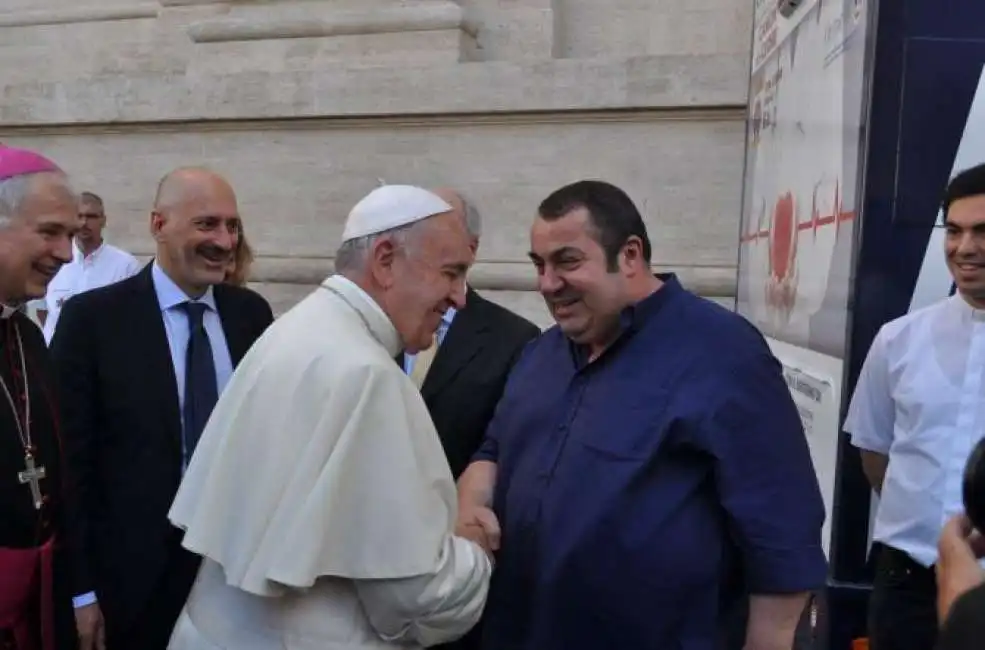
(708, 281)
(249, 23)
(533, 118)
(83, 14)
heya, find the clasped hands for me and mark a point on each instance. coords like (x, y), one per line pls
(480, 525)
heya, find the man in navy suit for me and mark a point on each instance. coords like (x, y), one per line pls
(141, 365)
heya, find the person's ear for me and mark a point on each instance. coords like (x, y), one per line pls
(631, 256)
(382, 257)
(157, 221)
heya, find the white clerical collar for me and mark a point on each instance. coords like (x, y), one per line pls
(362, 293)
(379, 324)
(966, 309)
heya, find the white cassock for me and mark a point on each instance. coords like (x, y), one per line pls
(321, 500)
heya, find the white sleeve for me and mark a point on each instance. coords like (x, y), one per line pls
(871, 414)
(133, 267)
(435, 608)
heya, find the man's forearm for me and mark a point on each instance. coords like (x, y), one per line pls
(874, 467)
(773, 620)
(476, 484)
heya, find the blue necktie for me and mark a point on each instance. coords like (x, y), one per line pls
(201, 388)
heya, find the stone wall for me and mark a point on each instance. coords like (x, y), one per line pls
(305, 104)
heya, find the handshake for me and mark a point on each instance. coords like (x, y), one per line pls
(479, 524)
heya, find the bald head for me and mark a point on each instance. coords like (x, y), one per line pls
(187, 183)
(465, 210)
(196, 224)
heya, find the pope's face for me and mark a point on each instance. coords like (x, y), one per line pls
(964, 247)
(37, 241)
(427, 277)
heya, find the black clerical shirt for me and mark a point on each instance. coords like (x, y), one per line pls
(21, 525)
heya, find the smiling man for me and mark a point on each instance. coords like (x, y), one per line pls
(37, 222)
(142, 363)
(646, 469)
(916, 415)
(94, 264)
(321, 499)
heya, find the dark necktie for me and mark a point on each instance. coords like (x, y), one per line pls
(201, 389)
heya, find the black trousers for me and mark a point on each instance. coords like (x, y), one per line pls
(152, 627)
(903, 607)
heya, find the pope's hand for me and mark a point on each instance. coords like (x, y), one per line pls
(90, 626)
(480, 525)
(958, 571)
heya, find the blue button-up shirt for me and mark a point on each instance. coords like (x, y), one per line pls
(642, 493)
(170, 297)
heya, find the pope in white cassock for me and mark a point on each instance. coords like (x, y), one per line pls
(319, 495)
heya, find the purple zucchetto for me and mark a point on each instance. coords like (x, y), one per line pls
(18, 162)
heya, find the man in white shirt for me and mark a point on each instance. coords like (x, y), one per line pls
(94, 264)
(917, 411)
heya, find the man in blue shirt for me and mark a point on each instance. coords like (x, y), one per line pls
(646, 468)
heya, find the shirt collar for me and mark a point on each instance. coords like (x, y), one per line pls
(379, 324)
(636, 316)
(170, 295)
(352, 286)
(967, 312)
(80, 256)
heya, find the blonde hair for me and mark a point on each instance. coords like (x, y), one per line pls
(239, 274)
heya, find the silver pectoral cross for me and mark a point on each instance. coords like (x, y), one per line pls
(33, 474)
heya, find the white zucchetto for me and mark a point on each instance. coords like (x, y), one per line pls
(389, 207)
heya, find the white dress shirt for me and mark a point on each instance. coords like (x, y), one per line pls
(105, 265)
(170, 297)
(919, 400)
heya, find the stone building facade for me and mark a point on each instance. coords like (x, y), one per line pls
(306, 104)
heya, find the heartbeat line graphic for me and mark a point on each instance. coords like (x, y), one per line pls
(816, 221)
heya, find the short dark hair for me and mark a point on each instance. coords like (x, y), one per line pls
(91, 197)
(968, 183)
(612, 213)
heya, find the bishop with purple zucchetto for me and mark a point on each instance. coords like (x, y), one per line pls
(38, 218)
